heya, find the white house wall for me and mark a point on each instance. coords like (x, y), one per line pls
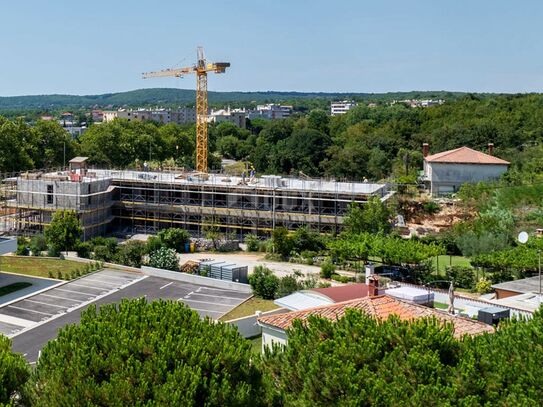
(448, 177)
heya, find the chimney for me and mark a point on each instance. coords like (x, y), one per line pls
(490, 148)
(425, 149)
(373, 285)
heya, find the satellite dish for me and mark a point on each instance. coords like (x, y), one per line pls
(522, 237)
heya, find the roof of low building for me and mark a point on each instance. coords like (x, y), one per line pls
(465, 155)
(522, 286)
(300, 300)
(79, 159)
(380, 307)
(316, 297)
(344, 292)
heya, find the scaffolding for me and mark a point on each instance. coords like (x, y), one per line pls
(128, 202)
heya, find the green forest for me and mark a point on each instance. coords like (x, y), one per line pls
(368, 142)
(177, 97)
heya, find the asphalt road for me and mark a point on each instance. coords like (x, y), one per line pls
(206, 301)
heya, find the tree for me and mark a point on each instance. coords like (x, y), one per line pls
(164, 258)
(264, 282)
(361, 361)
(64, 232)
(135, 353)
(14, 372)
(131, 253)
(174, 238)
(282, 242)
(372, 217)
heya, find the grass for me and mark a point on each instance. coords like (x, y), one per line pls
(256, 344)
(248, 308)
(11, 288)
(39, 267)
(440, 305)
(445, 260)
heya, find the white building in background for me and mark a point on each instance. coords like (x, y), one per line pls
(337, 108)
(237, 117)
(270, 111)
(179, 116)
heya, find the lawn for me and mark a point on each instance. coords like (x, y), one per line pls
(445, 260)
(248, 308)
(39, 267)
(256, 344)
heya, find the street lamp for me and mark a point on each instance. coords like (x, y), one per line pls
(523, 238)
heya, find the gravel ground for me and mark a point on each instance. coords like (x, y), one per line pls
(254, 259)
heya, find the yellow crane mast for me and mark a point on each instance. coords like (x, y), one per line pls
(200, 69)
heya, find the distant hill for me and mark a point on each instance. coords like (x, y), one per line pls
(172, 96)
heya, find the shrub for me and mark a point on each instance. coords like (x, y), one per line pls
(431, 207)
(22, 246)
(59, 275)
(38, 244)
(483, 286)
(287, 285)
(131, 253)
(153, 244)
(174, 238)
(282, 242)
(342, 279)
(264, 283)
(252, 242)
(103, 253)
(164, 258)
(84, 249)
(463, 277)
(327, 269)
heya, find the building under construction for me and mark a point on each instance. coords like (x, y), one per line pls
(129, 202)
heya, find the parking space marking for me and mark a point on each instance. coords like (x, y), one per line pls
(75, 292)
(30, 310)
(84, 285)
(205, 302)
(164, 286)
(206, 310)
(44, 303)
(60, 298)
(213, 295)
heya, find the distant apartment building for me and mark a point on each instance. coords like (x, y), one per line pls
(421, 102)
(237, 117)
(163, 116)
(337, 108)
(270, 111)
(97, 116)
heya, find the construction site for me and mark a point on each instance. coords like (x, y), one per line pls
(127, 202)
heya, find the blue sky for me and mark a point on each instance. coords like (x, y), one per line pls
(103, 46)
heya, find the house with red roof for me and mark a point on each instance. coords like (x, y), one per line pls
(446, 172)
(275, 327)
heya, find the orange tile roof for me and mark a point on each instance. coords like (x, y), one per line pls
(465, 155)
(380, 307)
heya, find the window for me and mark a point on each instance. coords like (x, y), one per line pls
(49, 194)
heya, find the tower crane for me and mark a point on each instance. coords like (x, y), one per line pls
(201, 68)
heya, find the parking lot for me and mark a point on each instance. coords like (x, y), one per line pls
(108, 286)
(207, 301)
(36, 309)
